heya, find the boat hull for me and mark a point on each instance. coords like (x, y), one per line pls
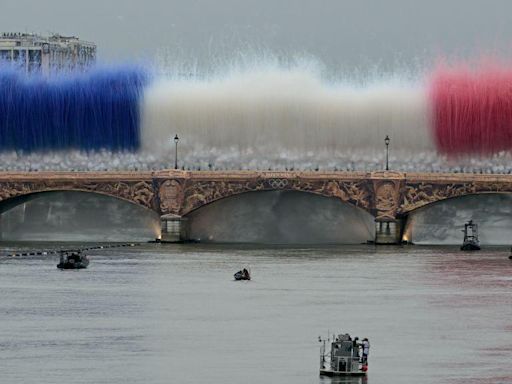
(241, 276)
(470, 246)
(72, 265)
(329, 372)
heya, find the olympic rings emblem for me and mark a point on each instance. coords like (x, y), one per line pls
(278, 183)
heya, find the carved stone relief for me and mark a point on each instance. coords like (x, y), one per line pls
(170, 193)
(420, 194)
(140, 192)
(199, 193)
(386, 200)
(384, 194)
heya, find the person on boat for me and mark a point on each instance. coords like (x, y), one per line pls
(355, 347)
(366, 350)
(245, 273)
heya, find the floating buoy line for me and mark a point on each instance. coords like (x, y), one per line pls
(57, 251)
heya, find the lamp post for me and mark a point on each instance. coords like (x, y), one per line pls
(176, 139)
(386, 141)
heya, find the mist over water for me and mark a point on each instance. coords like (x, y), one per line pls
(442, 222)
(78, 216)
(281, 217)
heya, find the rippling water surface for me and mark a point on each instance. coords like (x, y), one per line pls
(173, 314)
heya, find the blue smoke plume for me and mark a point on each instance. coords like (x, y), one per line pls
(98, 109)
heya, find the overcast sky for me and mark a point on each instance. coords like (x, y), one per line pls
(338, 33)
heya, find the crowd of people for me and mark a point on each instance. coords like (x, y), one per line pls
(103, 160)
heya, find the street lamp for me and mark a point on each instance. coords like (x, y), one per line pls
(176, 139)
(386, 141)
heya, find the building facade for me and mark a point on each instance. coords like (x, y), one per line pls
(36, 53)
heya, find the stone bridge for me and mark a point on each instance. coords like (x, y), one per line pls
(387, 195)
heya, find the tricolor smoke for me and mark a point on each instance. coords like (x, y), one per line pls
(256, 117)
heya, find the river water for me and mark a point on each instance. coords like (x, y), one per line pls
(173, 314)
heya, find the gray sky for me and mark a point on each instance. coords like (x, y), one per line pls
(348, 34)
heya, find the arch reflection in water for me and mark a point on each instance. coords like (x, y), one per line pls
(281, 217)
(442, 222)
(77, 216)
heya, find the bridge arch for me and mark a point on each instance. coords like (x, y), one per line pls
(432, 201)
(139, 193)
(201, 193)
(76, 215)
(280, 216)
(441, 221)
(417, 194)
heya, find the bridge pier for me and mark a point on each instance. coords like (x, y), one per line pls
(388, 231)
(173, 228)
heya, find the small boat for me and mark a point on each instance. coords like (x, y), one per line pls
(346, 357)
(72, 260)
(470, 242)
(244, 274)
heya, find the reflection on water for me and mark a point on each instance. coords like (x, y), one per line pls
(173, 314)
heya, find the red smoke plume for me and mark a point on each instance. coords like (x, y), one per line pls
(472, 109)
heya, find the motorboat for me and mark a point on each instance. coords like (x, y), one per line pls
(471, 242)
(72, 260)
(346, 357)
(243, 274)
